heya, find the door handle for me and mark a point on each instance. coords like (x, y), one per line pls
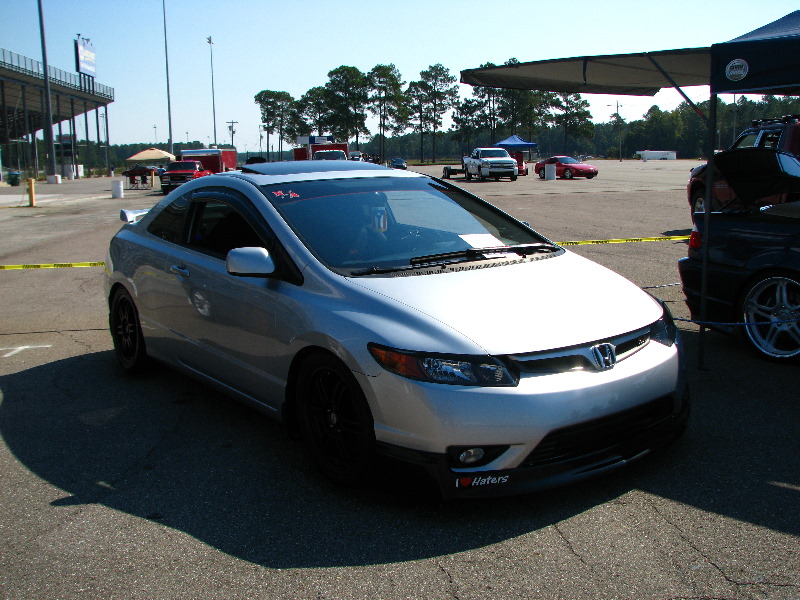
(182, 271)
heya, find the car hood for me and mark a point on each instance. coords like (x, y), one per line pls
(538, 305)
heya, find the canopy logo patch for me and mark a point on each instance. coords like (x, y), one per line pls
(737, 69)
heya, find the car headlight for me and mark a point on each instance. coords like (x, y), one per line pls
(664, 330)
(455, 369)
(485, 163)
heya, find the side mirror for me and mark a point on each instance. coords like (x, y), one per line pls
(250, 262)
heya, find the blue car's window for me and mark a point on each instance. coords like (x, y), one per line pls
(170, 224)
(357, 223)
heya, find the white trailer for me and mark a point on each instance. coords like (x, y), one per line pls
(657, 154)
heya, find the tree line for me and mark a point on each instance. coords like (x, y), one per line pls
(410, 117)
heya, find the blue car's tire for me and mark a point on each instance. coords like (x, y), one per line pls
(126, 332)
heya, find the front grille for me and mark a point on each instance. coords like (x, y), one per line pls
(607, 439)
(574, 358)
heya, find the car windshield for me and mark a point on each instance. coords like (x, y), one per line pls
(499, 153)
(385, 222)
(568, 160)
(182, 166)
(329, 155)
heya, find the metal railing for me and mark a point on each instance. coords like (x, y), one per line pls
(23, 64)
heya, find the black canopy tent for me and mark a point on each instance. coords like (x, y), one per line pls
(762, 61)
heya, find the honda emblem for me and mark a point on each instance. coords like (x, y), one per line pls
(605, 356)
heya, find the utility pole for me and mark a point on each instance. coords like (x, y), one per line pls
(231, 129)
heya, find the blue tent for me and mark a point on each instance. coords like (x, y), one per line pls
(516, 144)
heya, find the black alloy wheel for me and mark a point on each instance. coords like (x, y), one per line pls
(335, 421)
(771, 313)
(126, 332)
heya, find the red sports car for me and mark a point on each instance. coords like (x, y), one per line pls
(566, 167)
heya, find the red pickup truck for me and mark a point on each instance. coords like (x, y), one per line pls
(180, 172)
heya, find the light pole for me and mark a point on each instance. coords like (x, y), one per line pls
(166, 60)
(48, 125)
(213, 100)
(155, 136)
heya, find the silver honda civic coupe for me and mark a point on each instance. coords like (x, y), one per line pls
(384, 312)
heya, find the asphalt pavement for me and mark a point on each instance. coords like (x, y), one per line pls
(156, 487)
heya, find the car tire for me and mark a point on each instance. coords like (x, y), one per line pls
(126, 332)
(590, 176)
(334, 420)
(467, 174)
(770, 311)
(541, 173)
(567, 174)
(513, 178)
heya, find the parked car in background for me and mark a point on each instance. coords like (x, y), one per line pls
(371, 309)
(782, 134)
(329, 155)
(483, 163)
(357, 155)
(753, 275)
(566, 167)
(398, 163)
(139, 170)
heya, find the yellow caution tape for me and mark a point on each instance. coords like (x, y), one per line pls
(52, 266)
(664, 238)
(580, 243)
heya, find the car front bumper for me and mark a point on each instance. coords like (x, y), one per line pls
(549, 430)
(570, 454)
(498, 172)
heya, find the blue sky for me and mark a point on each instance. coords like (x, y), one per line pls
(291, 45)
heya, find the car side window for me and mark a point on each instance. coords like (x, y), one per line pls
(217, 228)
(770, 139)
(747, 141)
(170, 224)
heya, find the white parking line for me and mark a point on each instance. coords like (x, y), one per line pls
(18, 349)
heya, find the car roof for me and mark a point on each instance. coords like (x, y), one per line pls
(297, 167)
(312, 170)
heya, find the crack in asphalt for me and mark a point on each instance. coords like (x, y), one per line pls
(708, 559)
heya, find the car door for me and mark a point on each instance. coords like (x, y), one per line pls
(226, 325)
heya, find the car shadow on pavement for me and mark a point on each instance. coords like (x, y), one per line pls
(164, 448)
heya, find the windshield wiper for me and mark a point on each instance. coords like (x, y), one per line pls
(379, 270)
(477, 253)
(459, 256)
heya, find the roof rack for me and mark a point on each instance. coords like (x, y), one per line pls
(776, 120)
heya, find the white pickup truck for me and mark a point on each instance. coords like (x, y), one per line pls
(490, 162)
